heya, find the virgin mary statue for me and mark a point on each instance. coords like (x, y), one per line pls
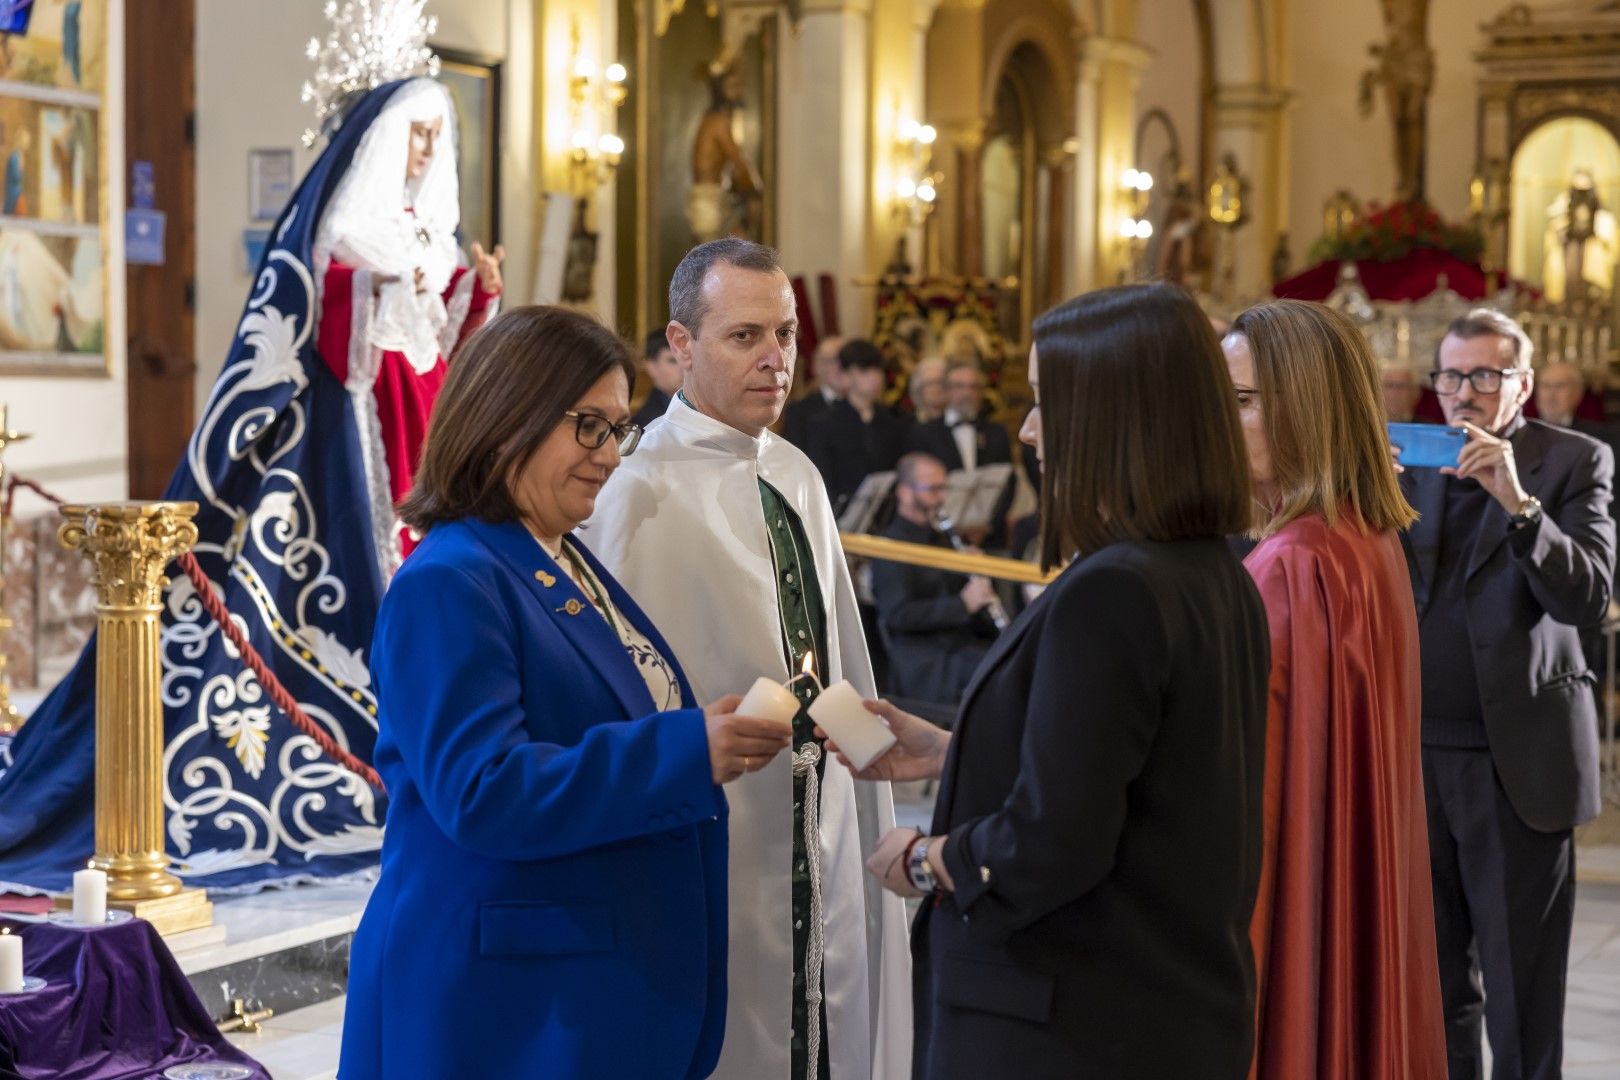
(307, 441)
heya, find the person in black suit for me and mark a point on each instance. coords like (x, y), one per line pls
(828, 388)
(1513, 553)
(937, 625)
(658, 361)
(1096, 844)
(1560, 386)
(857, 436)
(963, 438)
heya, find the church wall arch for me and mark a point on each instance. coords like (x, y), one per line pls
(1173, 104)
(970, 49)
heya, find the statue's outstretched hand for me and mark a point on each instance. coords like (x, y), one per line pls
(487, 265)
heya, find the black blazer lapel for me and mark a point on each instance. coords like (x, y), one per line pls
(1003, 647)
(1429, 500)
(1528, 451)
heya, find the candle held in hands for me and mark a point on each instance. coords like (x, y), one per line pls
(89, 897)
(11, 963)
(768, 700)
(860, 736)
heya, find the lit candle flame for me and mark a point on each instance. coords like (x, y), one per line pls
(807, 670)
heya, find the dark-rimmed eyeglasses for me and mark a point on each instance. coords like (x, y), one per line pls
(1485, 380)
(592, 431)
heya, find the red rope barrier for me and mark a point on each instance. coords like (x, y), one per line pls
(250, 656)
(18, 482)
(278, 693)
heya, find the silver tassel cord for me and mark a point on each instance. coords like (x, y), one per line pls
(804, 764)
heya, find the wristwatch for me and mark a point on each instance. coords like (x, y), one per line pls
(918, 872)
(1529, 513)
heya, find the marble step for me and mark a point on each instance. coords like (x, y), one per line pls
(281, 949)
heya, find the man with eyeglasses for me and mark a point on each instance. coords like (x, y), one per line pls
(724, 535)
(1512, 555)
(937, 624)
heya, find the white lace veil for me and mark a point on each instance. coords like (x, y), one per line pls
(369, 223)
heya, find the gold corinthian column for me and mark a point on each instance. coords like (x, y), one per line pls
(129, 545)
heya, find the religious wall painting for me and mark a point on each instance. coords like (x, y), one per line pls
(474, 85)
(53, 280)
(704, 94)
(1563, 236)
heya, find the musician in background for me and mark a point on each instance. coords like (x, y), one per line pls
(937, 625)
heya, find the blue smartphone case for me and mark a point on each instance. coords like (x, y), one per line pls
(1427, 446)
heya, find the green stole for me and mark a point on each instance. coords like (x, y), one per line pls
(804, 627)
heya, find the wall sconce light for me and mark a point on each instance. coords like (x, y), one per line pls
(1228, 197)
(916, 186)
(1134, 227)
(594, 147)
(1136, 185)
(1487, 191)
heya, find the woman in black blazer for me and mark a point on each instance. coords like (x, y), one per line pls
(1095, 849)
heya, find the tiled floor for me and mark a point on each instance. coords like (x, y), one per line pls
(301, 1045)
(1592, 1007)
(304, 1045)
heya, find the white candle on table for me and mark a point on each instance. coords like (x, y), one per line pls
(11, 970)
(89, 897)
(860, 736)
(767, 700)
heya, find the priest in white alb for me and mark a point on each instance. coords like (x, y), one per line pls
(724, 535)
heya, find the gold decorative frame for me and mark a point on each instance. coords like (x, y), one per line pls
(41, 79)
(1537, 67)
(744, 30)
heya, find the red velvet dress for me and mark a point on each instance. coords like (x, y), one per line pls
(403, 398)
(1343, 932)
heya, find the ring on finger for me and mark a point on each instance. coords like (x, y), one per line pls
(748, 763)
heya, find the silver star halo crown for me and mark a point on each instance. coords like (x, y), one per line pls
(371, 42)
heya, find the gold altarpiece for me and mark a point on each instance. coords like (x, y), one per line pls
(1541, 71)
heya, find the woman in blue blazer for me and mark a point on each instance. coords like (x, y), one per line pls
(552, 900)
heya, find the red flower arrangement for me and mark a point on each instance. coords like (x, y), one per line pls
(1388, 233)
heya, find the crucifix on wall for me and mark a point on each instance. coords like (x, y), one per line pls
(1405, 70)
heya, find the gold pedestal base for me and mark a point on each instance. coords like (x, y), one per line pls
(188, 909)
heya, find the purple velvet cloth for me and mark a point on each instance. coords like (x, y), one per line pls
(116, 1007)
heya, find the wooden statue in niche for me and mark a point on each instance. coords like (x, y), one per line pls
(725, 198)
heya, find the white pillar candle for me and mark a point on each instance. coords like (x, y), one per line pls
(767, 700)
(11, 970)
(89, 897)
(861, 736)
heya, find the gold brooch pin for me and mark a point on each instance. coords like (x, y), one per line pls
(573, 607)
(544, 578)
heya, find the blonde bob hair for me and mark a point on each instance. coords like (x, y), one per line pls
(1323, 418)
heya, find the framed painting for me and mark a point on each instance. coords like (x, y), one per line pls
(474, 83)
(53, 189)
(705, 82)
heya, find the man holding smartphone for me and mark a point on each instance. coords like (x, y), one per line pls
(1514, 552)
